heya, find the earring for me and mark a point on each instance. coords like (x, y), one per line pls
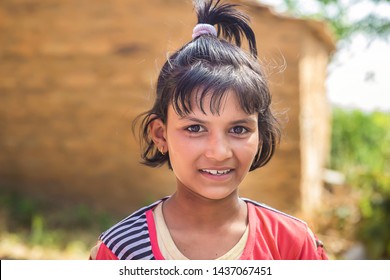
(161, 150)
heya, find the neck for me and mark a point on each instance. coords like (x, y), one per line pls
(190, 209)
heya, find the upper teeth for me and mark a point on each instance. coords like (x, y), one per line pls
(216, 172)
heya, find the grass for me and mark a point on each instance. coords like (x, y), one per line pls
(38, 229)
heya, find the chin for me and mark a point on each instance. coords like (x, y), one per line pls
(216, 195)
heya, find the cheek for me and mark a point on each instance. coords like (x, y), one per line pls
(180, 145)
(248, 150)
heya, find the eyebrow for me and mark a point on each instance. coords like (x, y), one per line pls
(248, 121)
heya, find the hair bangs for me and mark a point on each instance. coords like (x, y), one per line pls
(212, 82)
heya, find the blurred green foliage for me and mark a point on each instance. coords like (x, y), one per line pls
(372, 23)
(361, 150)
(49, 223)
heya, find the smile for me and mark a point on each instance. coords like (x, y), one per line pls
(216, 172)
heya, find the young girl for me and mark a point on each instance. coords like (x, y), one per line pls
(212, 124)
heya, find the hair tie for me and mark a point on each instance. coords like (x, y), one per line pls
(203, 28)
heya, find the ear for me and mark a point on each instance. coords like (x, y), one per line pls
(158, 134)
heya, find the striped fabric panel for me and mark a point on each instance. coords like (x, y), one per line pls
(129, 239)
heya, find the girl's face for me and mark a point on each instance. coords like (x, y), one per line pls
(211, 154)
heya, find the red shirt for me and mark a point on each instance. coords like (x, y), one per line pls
(273, 235)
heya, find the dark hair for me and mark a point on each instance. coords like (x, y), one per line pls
(211, 66)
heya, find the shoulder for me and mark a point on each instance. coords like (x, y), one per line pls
(290, 237)
(286, 235)
(274, 217)
(129, 238)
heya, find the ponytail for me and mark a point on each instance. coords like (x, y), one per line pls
(231, 23)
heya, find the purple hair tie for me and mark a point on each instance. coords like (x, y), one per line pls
(203, 28)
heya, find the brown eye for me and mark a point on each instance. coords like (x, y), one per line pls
(239, 130)
(195, 128)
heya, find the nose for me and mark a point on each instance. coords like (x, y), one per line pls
(218, 147)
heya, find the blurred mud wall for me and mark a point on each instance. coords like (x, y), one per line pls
(74, 73)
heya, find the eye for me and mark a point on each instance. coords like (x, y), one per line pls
(239, 130)
(195, 128)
